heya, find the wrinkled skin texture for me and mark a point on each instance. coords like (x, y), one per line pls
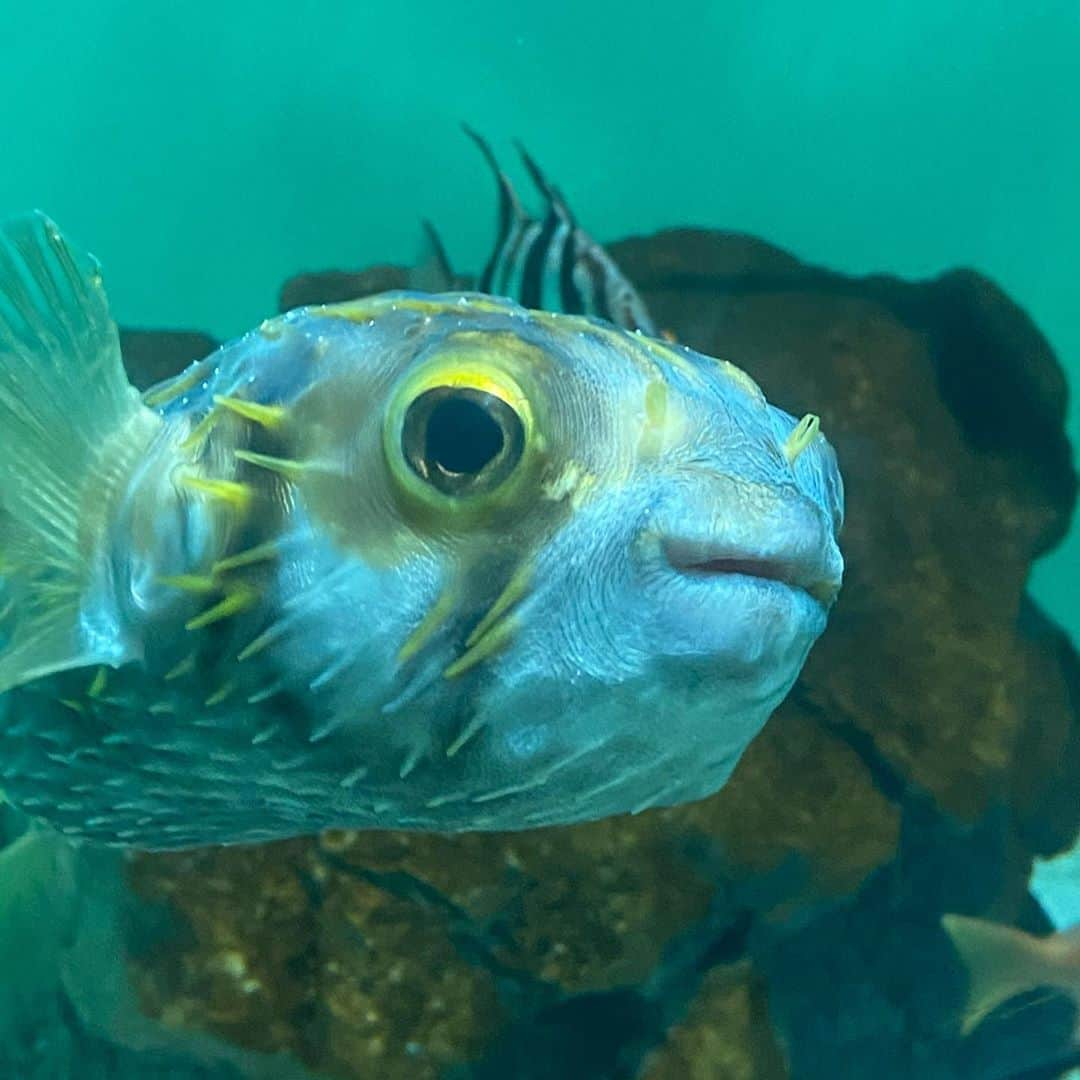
(603, 629)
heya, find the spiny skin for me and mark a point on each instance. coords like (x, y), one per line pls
(304, 633)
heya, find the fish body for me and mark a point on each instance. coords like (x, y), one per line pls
(428, 562)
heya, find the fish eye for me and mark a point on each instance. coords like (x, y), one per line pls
(461, 439)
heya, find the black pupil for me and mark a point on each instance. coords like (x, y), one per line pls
(462, 436)
(461, 440)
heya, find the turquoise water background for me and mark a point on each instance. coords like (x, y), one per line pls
(207, 151)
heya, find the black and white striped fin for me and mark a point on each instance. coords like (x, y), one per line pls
(512, 221)
(550, 262)
(432, 272)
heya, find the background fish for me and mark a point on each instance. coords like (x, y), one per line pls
(412, 561)
(549, 262)
(1003, 962)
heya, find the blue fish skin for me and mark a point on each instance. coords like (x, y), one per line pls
(426, 562)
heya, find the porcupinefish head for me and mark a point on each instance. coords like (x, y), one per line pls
(430, 562)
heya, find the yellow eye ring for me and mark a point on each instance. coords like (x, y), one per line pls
(459, 435)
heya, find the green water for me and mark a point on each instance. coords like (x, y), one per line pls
(207, 151)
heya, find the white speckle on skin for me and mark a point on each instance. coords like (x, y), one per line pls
(525, 742)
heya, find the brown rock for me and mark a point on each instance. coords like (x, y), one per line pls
(153, 355)
(336, 286)
(212, 976)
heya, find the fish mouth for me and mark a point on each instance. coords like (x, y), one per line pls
(801, 571)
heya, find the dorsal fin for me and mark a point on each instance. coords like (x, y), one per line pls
(551, 193)
(433, 272)
(512, 218)
(551, 261)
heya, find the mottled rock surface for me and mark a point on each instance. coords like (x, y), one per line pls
(789, 924)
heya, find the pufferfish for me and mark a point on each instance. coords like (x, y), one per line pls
(415, 561)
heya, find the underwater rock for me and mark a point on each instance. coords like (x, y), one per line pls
(352, 977)
(940, 706)
(337, 286)
(153, 355)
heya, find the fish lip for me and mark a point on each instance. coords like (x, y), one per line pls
(704, 559)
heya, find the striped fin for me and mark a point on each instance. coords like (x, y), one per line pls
(433, 272)
(548, 249)
(551, 274)
(550, 262)
(512, 218)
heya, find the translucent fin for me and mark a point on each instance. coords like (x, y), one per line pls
(38, 901)
(433, 272)
(1002, 962)
(68, 918)
(71, 430)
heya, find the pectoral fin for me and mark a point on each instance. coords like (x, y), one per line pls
(71, 430)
